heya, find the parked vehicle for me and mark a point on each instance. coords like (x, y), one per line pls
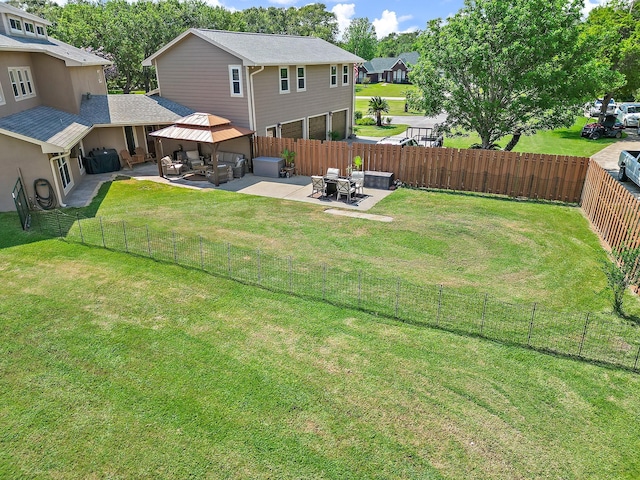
(403, 142)
(629, 163)
(629, 114)
(610, 127)
(592, 109)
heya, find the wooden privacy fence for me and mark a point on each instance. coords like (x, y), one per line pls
(528, 175)
(612, 210)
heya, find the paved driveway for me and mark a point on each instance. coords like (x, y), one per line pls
(608, 159)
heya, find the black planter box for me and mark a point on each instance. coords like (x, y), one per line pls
(379, 180)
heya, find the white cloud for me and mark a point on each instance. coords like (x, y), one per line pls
(344, 12)
(590, 5)
(388, 23)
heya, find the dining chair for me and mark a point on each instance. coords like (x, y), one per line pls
(345, 188)
(318, 185)
(358, 179)
(333, 172)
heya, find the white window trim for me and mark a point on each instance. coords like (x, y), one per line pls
(332, 75)
(231, 80)
(304, 79)
(15, 30)
(28, 81)
(346, 74)
(27, 32)
(60, 164)
(44, 31)
(3, 99)
(280, 79)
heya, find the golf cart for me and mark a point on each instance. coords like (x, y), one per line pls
(610, 127)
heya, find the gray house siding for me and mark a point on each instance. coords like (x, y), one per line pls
(56, 91)
(9, 60)
(319, 98)
(195, 74)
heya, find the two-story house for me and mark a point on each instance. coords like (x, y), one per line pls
(54, 105)
(389, 69)
(278, 85)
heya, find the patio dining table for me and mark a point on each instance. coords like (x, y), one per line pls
(332, 184)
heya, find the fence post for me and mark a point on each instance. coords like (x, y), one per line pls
(324, 280)
(175, 250)
(201, 254)
(80, 227)
(104, 244)
(124, 235)
(439, 305)
(584, 334)
(484, 311)
(635, 365)
(359, 288)
(59, 225)
(148, 242)
(290, 274)
(533, 316)
(397, 296)
(228, 259)
(259, 268)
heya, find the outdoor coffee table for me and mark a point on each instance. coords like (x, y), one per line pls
(202, 170)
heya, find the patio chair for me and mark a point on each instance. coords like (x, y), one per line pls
(139, 151)
(358, 179)
(345, 188)
(318, 185)
(333, 172)
(129, 159)
(169, 167)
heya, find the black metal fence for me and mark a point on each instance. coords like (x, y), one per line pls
(597, 337)
(22, 206)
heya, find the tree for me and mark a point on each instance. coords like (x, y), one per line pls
(378, 105)
(622, 271)
(396, 43)
(360, 38)
(614, 30)
(501, 67)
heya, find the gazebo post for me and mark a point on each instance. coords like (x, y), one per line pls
(159, 154)
(214, 162)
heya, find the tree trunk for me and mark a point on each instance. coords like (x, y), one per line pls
(379, 119)
(513, 142)
(603, 108)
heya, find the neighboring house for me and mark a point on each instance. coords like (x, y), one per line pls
(388, 70)
(54, 105)
(277, 85)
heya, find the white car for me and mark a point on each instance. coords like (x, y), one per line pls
(593, 109)
(629, 114)
(403, 142)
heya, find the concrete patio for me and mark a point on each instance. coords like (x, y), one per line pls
(296, 188)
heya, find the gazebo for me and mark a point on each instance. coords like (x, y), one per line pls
(201, 128)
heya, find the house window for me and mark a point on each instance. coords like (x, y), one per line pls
(40, 31)
(15, 25)
(99, 72)
(301, 86)
(235, 80)
(21, 82)
(345, 74)
(334, 76)
(28, 29)
(284, 79)
(2, 99)
(63, 170)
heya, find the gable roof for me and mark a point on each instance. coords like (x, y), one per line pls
(203, 128)
(131, 109)
(259, 49)
(56, 131)
(383, 64)
(52, 129)
(11, 10)
(72, 56)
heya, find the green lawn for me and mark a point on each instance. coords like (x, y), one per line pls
(383, 131)
(396, 107)
(114, 366)
(564, 141)
(383, 90)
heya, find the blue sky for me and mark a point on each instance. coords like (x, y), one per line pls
(387, 16)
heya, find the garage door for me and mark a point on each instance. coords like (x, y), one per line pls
(339, 123)
(292, 129)
(318, 127)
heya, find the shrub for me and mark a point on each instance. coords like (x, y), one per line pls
(357, 115)
(366, 121)
(621, 272)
